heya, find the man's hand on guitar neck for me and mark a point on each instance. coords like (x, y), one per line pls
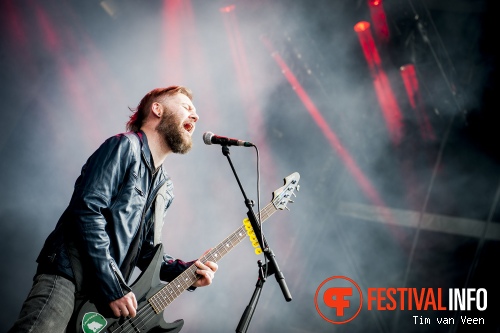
(206, 271)
(125, 306)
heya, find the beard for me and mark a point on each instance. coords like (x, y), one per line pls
(173, 134)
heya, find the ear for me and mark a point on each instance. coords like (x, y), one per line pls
(156, 108)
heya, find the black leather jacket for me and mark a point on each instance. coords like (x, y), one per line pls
(114, 193)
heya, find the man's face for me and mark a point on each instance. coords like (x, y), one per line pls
(178, 123)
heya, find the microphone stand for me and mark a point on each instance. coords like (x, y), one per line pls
(272, 269)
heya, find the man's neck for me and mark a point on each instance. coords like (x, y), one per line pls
(157, 146)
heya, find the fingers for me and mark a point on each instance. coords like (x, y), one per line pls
(116, 310)
(125, 306)
(213, 266)
(207, 266)
(206, 271)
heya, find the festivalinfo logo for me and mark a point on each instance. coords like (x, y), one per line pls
(339, 300)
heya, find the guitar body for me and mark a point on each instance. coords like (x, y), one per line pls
(90, 318)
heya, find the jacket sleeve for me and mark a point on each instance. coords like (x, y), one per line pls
(95, 189)
(171, 268)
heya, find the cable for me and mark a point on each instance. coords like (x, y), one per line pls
(258, 208)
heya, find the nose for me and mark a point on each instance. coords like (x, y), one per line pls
(194, 116)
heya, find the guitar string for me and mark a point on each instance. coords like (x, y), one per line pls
(147, 312)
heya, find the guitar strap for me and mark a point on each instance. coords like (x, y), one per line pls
(160, 201)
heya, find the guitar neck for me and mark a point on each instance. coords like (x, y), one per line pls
(176, 287)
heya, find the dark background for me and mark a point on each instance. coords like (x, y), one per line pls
(420, 211)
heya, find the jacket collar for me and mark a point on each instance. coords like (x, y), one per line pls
(146, 152)
(148, 158)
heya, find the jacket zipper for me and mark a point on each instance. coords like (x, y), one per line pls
(148, 205)
(121, 282)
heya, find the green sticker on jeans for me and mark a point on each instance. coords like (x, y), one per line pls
(93, 322)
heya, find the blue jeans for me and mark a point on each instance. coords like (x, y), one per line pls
(48, 307)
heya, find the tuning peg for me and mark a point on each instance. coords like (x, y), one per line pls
(287, 208)
(298, 188)
(291, 201)
(294, 194)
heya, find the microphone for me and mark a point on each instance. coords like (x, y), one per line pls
(210, 138)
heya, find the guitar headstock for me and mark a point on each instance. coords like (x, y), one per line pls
(283, 195)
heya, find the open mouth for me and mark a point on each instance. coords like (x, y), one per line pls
(189, 127)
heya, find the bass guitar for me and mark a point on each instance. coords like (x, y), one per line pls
(153, 296)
